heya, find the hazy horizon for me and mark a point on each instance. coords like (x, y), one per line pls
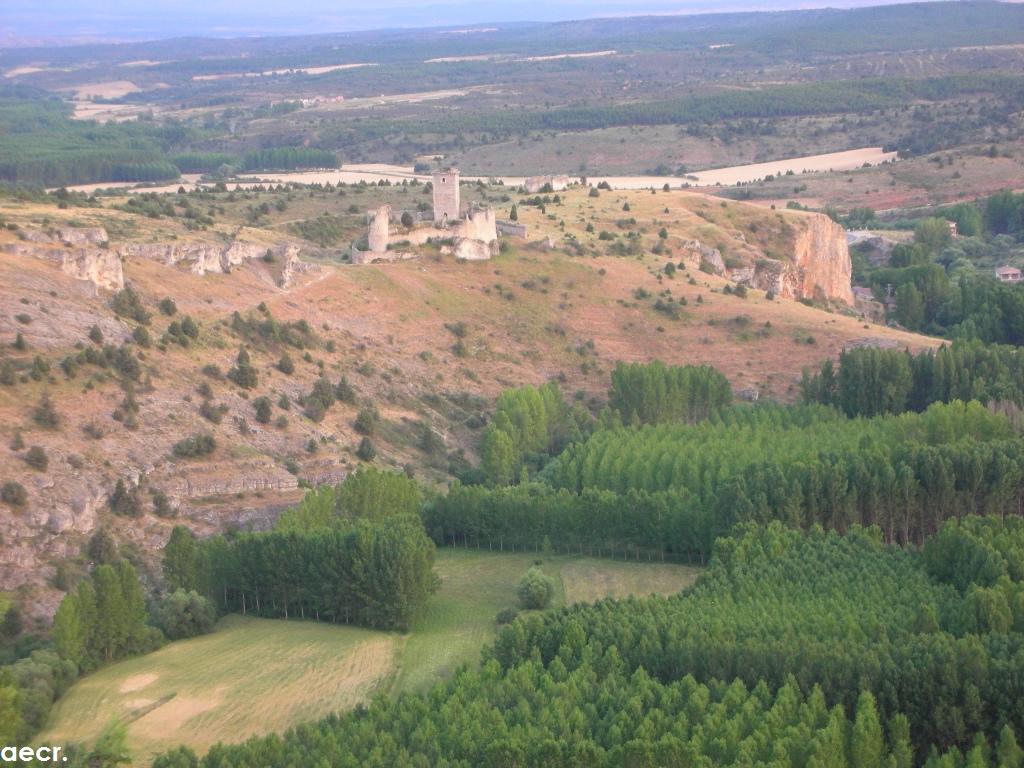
(34, 22)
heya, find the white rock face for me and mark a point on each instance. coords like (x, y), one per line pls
(204, 258)
(474, 250)
(99, 266)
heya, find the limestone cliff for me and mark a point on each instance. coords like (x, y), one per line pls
(817, 265)
(821, 259)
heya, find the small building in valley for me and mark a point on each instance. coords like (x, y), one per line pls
(1007, 274)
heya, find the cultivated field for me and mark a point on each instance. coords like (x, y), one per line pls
(261, 675)
(371, 173)
(250, 676)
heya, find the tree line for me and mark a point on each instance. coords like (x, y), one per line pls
(872, 381)
(375, 574)
(670, 490)
(831, 97)
(530, 424)
(367, 494)
(652, 393)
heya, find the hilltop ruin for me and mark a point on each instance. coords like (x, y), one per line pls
(469, 232)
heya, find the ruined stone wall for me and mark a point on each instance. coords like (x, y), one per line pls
(535, 184)
(479, 224)
(379, 228)
(447, 204)
(511, 228)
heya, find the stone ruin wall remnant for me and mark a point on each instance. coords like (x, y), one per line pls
(379, 229)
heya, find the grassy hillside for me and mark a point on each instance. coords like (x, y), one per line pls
(258, 675)
(533, 314)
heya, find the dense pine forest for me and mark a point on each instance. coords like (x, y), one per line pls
(812, 649)
(863, 603)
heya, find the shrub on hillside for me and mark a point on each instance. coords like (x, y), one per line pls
(366, 450)
(127, 303)
(45, 414)
(13, 494)
(36, 458)
(195, 445)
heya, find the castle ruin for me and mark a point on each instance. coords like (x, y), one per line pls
(473, 234)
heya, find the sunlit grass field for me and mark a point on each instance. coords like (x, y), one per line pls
(260, 675)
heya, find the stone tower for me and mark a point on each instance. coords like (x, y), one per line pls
(446, 196)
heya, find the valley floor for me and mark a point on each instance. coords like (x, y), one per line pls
(259, 675)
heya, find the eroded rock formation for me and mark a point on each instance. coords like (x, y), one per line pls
(81, 253)
(818, 266)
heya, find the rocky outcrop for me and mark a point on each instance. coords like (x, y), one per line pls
(469, 249)
(203, 258)
(85, 236)
(820, 264)
(818, 269)
(292, 266)
(705, 254)
(99, 266)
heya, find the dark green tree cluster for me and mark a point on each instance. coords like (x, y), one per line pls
(366, 494)
(28, 688)
(260, 330)
(289, 158)
(376, 574)
(1004, 214)
(654, 392)
(843, 613)
(671, 489)
(104, 618)
(875, 381)
(530, 424)
(243, 373)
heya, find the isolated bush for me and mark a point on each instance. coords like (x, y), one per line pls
(162, 505)
(127, 303)
(126, 500)
(366, 450)
(45, 414)
(263, 409)
(36, 458)
(102, 549)
(185, 614)
(13, 494)
(168, 307)
(367, 420)
(285, 365)
(535, 589)
(243, 374)
(344, 392)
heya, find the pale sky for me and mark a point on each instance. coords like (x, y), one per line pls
(150, 19)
